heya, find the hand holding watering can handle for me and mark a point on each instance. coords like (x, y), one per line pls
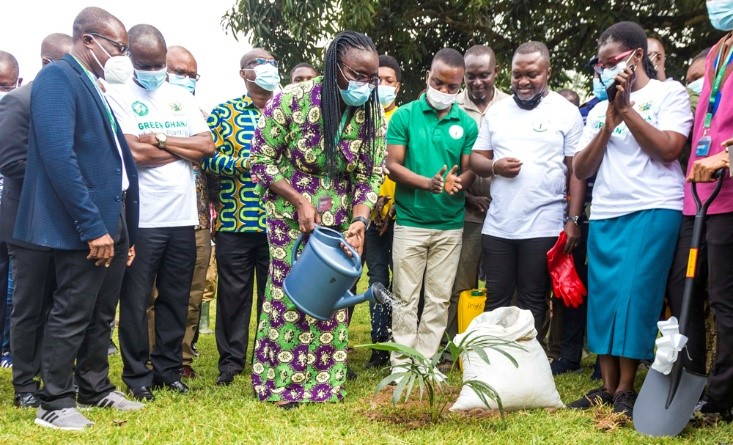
(355, 257)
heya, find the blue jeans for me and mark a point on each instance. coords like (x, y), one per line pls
(378, 256)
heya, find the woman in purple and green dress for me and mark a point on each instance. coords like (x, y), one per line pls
(317, 154)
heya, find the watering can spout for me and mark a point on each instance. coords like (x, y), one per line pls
(376, 293)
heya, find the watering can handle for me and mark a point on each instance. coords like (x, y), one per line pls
(354, 254)
(294, 255)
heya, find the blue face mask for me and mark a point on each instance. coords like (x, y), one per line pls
(599, 90)
(610, 73)
(151, 80)
(721, 14)
(182, 81)
(266, 76)
(356, 95)
(387, 94)
(696, 86)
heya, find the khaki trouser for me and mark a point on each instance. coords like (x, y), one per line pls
(203, 254)
(211, 279)
(422, 256)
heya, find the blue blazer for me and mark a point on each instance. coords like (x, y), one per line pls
(72, 185)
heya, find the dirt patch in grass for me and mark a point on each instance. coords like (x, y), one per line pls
(606, 420)
(415, 413)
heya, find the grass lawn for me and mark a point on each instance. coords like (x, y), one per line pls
(231, 415)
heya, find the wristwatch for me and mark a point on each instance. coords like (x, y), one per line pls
(162, 139)
(366, 221)
(572, 219)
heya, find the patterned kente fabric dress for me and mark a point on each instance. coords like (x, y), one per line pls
(296, 357)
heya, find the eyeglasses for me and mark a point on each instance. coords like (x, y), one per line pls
(182, 75)
(361, 78)
(262, 61)
(10, 87)
(654, 55)
(123, 49)
(599, 67)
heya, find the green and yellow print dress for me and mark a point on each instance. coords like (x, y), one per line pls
(296, 357)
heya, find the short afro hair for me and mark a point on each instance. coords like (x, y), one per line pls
(391, 62)
(450, 57)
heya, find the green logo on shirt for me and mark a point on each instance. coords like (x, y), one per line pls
(139, 108)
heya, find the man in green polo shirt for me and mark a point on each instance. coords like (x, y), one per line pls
(429, 141)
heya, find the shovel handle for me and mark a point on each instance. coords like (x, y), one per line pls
(701, 207)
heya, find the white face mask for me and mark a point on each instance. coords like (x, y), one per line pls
(439, 100)
(117, 69)
(696, 85)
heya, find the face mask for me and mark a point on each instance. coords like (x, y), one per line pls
(151, 80)
(117, 69)
(356, 95)
(2, 94)
(696, 86)
(387, 94)
(182, 81)
(599, 90)
(266, 76)
(528, 104)
(440, 100)
(610, 73)
(721, 14)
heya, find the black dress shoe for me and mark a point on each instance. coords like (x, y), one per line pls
(288, 405)
(26, 400)
(379, 359)
(225, 378)
(177, 386)
(142, 394)
(350, 375)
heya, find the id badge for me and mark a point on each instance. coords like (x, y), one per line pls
(324, 204)
(703, 146)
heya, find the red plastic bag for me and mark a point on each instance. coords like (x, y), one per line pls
(566, 283)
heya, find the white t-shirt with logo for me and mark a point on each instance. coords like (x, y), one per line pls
(532, 204)
(628, 179)
(168, 192)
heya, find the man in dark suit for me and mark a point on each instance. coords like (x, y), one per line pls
(9, 72)
(30, 303)
(79, 199)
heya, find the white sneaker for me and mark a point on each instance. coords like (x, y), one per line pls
(68, 419)
(115, 400)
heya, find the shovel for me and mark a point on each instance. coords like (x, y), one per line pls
(666, 402)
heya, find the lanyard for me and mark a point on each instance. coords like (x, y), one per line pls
(342, 125)
(720, 69)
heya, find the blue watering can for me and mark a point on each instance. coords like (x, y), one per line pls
(320, 278)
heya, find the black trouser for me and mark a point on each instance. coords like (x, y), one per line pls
(240, 257)
(164, 257)
(719, 245)
(574, 319)
(517, 265)
(4, 268)
(378, 257)
(31, 302)
(78, 325)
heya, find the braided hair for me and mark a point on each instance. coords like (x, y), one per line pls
(331, 97)
(631, 36)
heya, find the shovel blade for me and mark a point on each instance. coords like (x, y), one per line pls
(652, 416)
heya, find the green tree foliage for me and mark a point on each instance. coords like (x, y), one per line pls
(412, 31)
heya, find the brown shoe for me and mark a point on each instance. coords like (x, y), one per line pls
(187, 372)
